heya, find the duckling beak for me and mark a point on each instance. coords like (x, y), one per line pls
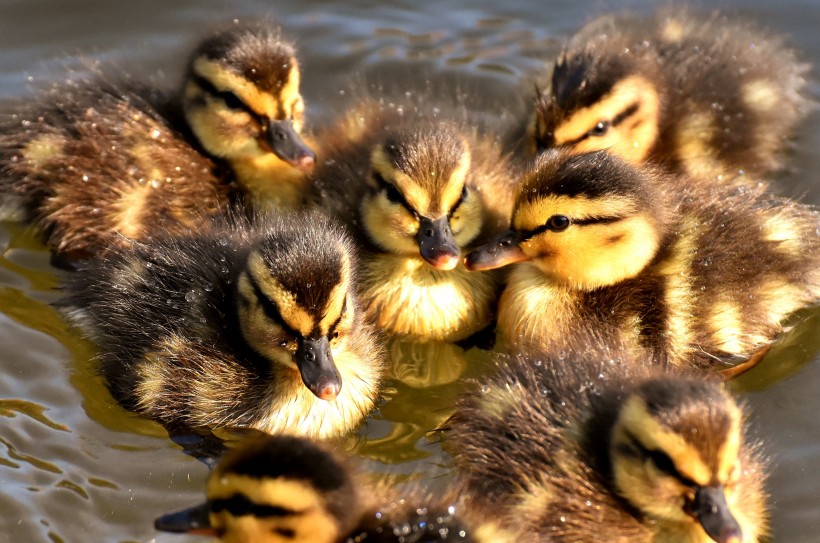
(502, 251)
(712, 511)
(285, 143)
(436, 243)
(194, 520)
(315, 363)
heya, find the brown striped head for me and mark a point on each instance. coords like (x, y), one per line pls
(242, 98)
(420, 200)
(274, 489)
(677, 454)
(295, 299)
(586, 221)
(603, 96)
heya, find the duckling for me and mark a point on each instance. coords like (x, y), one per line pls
(696, 274)
(702, 94)
(415, 190)
(101, 161)
(239, 325)
(588, 442)
(283, 488)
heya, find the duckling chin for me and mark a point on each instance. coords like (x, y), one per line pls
(239, 325)
(666, 263)
(103, 161)
(707, 95)
(282, 488)
(587, 439)
(416, 190)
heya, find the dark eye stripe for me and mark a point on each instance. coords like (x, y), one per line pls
(239, 505)
(270, 308)
(385, 185)
(619, 118)
(661, 461)
(527, 234)
(228, 97)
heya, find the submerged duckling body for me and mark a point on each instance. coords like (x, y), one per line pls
(102, 161)
(695, 274)
(702, 94)
(281, 488)
(586, 442)
(237, 326)
(416, 190)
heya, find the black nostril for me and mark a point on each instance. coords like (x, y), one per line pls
(428, 232)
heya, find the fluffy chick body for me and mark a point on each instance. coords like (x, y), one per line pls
(695, 274)
(707, 95)
(587, 442)
(415, 188)
(281, 488)
(213, 329)
(103, 160)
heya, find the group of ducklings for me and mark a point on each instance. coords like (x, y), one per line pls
(234, 277)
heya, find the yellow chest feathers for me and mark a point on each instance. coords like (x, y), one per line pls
(404, 295)
(297, 410)
(534, 309)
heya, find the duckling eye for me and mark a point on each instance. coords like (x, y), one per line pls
(558, 223)
(600, 129)
(393, 194)
(231, 100)
(663, 463)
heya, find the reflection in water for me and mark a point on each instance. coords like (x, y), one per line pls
(426, 364)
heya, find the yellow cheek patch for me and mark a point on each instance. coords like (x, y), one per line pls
(466, 221)
(636, 419)
(633, 137)
(291, 312)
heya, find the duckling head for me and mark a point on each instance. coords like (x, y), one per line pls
(272, 490)
(419, 202)
(676, 455)
(605, 95)
(295, 301)
(241, 98)
(585, 221)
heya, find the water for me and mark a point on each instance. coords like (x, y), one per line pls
(74, 466)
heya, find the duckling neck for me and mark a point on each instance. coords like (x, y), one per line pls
(534, 307)
(270, 182)
(406, 296)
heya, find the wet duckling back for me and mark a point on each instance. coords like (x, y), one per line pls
(282, 488)
(237, 326)
(692, 273)
(103, 160)
(701, 94)
(416, 190)
(587, 442)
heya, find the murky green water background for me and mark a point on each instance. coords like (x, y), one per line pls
(74, 466)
